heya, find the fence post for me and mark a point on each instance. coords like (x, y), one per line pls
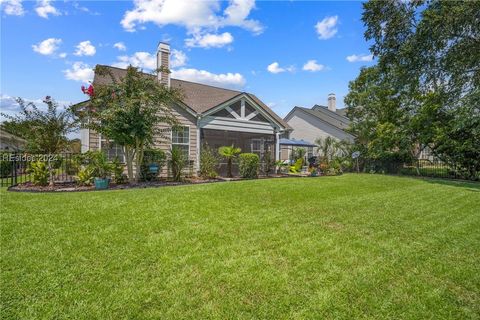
(14, 172)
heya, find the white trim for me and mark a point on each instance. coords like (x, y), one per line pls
(277, 146)
(233, 113)
(198, 147)
(242, 108)
(184, 144)
(273, 122)
(251, 115)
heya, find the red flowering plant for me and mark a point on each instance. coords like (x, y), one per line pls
(90, 91)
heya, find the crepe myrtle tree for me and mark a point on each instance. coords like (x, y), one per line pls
(128, 110)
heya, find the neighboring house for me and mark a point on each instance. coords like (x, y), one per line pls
(319, 122)
(207, 114)
(11, 142)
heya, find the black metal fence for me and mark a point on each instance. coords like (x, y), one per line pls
(18, 168)
(418, 167)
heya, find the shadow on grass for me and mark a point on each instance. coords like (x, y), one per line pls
(469, 185)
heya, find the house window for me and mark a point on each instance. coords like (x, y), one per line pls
(181, 139)
(309, 152)
(112, 150)
(257, 147)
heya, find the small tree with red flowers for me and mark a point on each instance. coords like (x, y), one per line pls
(128, 111)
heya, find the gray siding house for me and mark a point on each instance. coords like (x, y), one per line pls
(319, 122)
(208, 115)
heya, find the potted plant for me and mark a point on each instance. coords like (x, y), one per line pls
(103, 170)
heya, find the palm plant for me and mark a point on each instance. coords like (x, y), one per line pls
(327, 148)
(229, 153)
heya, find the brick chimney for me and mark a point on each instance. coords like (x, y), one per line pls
(163, 63)
(332, 102)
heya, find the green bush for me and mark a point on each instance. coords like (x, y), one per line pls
(268, 163)
(117, 168)
(5, 167)
(39, 171)
(178, 162)
(102, 167)
(208, 162)
(248, 165)
(85, 175)
(152, 156)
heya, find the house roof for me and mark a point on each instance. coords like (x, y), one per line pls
(294, 142)
(198, 97)
(327, 116)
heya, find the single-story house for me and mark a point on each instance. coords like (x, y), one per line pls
(208, 115)
(319, 122)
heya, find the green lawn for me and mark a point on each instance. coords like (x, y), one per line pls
(346, 247)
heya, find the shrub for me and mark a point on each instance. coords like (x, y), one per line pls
(99, 161)
(268, 163)
(178, 162)
(152, 156)
(208, 162)
(117, 168)
(5, 167)
(85, 175)
(39, 171)
(249, 165)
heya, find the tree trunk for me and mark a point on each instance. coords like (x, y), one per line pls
(229, 168)
(129, 159)
(138, 159)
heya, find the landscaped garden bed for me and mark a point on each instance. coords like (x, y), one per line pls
(75, 187)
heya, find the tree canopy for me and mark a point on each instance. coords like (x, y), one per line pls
(425, 88)
(129, 110)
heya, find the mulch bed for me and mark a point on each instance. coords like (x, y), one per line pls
(73, 187)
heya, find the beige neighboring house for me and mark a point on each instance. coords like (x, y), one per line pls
(319, 122)
(208, 115)
(11, 142)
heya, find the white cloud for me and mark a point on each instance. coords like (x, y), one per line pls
(47, 47)
(193, 15)
(275, 68)
(63, 55)
(79, 72)
(44, 8)
(209, 40)
(227, 80)
(148, 61)
(313, 66)
(12, 7)
(120, 46)
(178, 59)
(143, 60)
(85, 48)
(327, 27)
(361, 57)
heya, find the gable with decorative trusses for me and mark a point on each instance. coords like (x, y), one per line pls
(240, 114)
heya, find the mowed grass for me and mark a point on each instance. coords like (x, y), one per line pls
(346, 247)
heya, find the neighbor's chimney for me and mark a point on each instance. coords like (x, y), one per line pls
(332, 102)
(163, 63)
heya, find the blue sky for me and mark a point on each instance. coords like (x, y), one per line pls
(287, 53)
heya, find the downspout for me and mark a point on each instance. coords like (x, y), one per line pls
(199, 146)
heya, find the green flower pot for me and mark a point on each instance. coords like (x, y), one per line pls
(101, 184)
